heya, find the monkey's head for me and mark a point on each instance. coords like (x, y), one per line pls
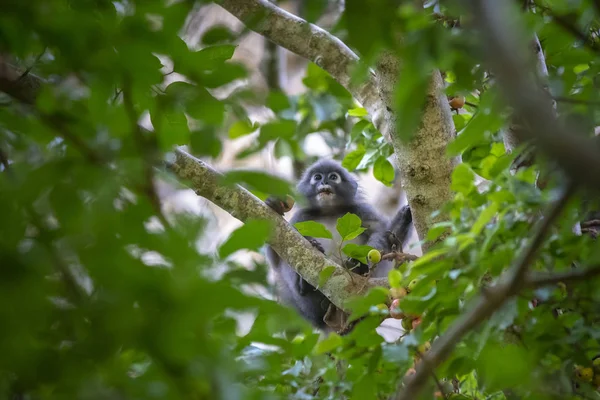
(327, 184)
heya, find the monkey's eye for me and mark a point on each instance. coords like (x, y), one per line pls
(334, 176)
(317, 177)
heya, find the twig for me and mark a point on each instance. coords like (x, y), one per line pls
(147, 150)
(44, 236)
(569, 27)
(485, 305)
(285, 240)
(508, 55)
(539, 279)
(561, 99)
(4, 160)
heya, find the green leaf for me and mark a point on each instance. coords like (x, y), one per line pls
(463, 179)
(395, 278)
(258, 180)
(218, 34)
(214, 56)
(356, 251)
(330, 343)
(252, 235)
(174, 130)
(277, 129)
(484, 218)
(206, 108)
(314, 229)
(358, 112)
(278, 101)
(384, 171)
(365, 388)
(241, 128)
(325, 274)
(352, 159)
(205, 142)
(349, 226)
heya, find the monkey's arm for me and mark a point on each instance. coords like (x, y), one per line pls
(376, 226)
(399, 227)
(296, 281)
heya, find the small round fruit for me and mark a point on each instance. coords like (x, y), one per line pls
(412, 284)
(398, 292)
(407, 324)
(424, 348)
(395, 311)
(382, 307)
(374, 256)
(585, 374)
(457, 102)
(416, 322)
(596, 364)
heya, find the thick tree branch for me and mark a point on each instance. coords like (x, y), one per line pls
(285, 240)
(20, 85)
(306, 40)
(240, 203)
(508, 57)
(510, 283)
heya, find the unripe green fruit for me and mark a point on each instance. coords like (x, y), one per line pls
(596, 365)
(584, 374)
(412, 284)
(407, 324)
(398, 293)
(382, 307)
(424, 347)
(374, 256)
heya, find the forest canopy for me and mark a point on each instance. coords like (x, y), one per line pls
(482, 114)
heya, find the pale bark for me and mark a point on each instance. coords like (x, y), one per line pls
(238, 202)
(425, 169)
(306, 40)
(285, 240)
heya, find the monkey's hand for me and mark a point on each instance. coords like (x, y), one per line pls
(279, 205)
(316, 244)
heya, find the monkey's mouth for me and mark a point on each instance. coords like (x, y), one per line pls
(325, 192)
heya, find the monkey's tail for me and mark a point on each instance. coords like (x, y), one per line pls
(400, 224)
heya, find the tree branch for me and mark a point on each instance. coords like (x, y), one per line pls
(510, 283)
(306, 40)
(285, 240)
(540, 279)
(241, 204)
(507, 55)
(20, 85)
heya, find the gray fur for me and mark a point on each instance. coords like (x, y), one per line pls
(331, 192)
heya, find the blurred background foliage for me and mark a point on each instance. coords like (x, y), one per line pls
(105, 295)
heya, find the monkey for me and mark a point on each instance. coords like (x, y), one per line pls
(331, 192)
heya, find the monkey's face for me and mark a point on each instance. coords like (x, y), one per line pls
(327, 187)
